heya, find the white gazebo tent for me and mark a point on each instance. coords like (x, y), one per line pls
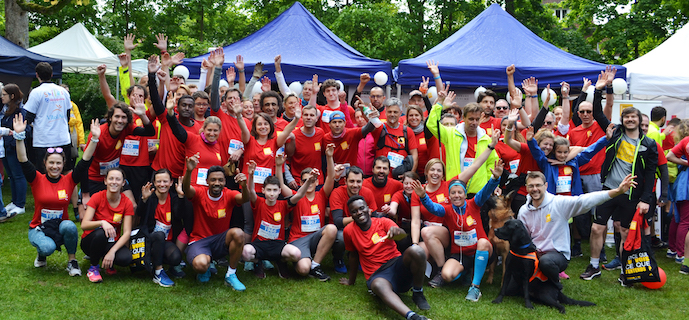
(663, 74)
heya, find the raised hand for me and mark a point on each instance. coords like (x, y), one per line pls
(529, 133)
(447, 102)
(178, 186)
(510, 70)
(564, 90)
(19, 123)
(602, 80)
(339, 170)
(162, 75)
(278, 60)
(258, 70)
(192, 162)
(516, 99)
(146, 191)
(101, 69)
(206, 65)
(495, 137)
(610, 72)
(251, 167)
(170, 104)
(129, 43)
(497, 170)
(95, 128)
(124, 59)
(162, 42)
(239, 63)
(530, 86)
(177, 58)
(230, 74)
(297, 112)
(313, 176)
(423, 86)
(217, 57)
(153, 63)
(240, 178)
(165, 59)
(609, 131)
(137, 105)
(364, 78)
(280, 159)
(237, 108)
(330, 149)
(586, 84)
(547, 96)
(265, 84)
(433, 67)
(418, 188)
(314, 84)
(513, 115)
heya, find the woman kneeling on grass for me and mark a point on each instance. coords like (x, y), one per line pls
(106, 213)
(50, 225)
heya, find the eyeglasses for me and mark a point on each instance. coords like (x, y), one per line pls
(502, 108)
(534, 186)
(548, 122)
(203, 104)
(376, 96)
(585, 111)
(55, 150)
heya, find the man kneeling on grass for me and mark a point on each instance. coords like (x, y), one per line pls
(371, 241)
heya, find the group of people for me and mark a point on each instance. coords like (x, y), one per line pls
(216, 175)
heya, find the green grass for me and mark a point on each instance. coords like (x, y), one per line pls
(49, 293)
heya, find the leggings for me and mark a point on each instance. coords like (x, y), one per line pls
(164, 251)
(96, 246)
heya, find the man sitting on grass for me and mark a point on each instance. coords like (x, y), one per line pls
(371, 241)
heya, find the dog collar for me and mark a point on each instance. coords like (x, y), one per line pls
(525, 246)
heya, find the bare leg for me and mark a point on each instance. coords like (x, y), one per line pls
(597, 232)
(383, 289)
(201, 263)
(326, 242)
(436, 239)
(234, 239)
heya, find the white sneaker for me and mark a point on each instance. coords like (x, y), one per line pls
(73, 268)
(10, 207)
(17, 210)
(40, 262)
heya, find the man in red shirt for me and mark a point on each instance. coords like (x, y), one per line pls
(382, 187)
(308, 145)
(371, 242)
(331, 91)
(396, 141)
(346, 140)
(212, 236)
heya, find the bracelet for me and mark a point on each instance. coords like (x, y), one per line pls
(94, 140)
(609, 90)
(436, 77)
(491, 147)
(240, 70)
(520, 108)
(162, 52)
(19, 136)
(534, 96)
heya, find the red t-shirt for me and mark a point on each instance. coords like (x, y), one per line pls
(465, 230)
(264, 155)
(441, 196)
(211, 216)
(394, 138)
(280, 125)
(339, 198)
(435, 151)
(230, 139)
(584, 137)
(307, 153)
(52, 201)
(308, 216)
(171, 152)
(681, 149)
(108, 151)
(163, 217)
(669, 141)
(495, 122)
(209, 155)
(509, 156)
(269, 221)
(383, 195)
(104, 212)
(661, 161)
(324, 121)
(346, 146)
(135, 148)
(403, 206)
(373, 252)
(564, 180)
(526, 163)
(471, 149)
(422, 150)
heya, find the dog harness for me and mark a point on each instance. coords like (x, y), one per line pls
(536, 271)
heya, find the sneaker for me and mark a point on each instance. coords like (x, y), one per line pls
(576, 250)
(671, 254)
(212, 268)
(40, 262)
(10, 207)
(87, 257)
(6, 215)
(283, 270)
(267, 265)
(162, 279)
(176, 272)
(94, 274)
(223, 262)
(73, 268)
(437, 281)
(248, 266)
(258, 271)
(679, 259)
(590, 273)
(603, 257)
(340, 266)
(563, 275)
(111, 271)
(234, 282)
(204, 277)
(417, 316)
(474, 294)
(684, 269)
(318, 273)
(420, 300)
(615, 264)
(18, 210)
(623, 282)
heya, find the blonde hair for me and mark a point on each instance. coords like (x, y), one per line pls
(682, 131)
(432, 162)
(212, 120)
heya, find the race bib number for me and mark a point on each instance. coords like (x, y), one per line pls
(50, 215)
(153, 143)
(164, 228)
(280, 151)
(269, 231)
(325, 117)
(130, 148)
(261, 173)
(201, 177)
(465, 238)
(429, 224)
(467, 163)
(564, 184)
(514, 165)
(234, 146)
(310, 223)
(395, 159)
(105, 166)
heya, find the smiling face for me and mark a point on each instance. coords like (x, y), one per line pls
(392, 113)
(549, 122)
(248, 110)
(536, 188)
(631, 121)
(435, 174)
(360, 213)
(271, 192)
(114, 181)
(644, 124)
(414, 118)
(291, 104)
(262, 127)
(586, 113)
(502, 108)
(162, 182)
(216, 183)
(354, 183)
(561, 152)
(407, 185)
(546, 145)
(457, 196)
(381, 170)
(54, 165)
(557, 111)
(211, 131)
(270, 106)
(118, 121)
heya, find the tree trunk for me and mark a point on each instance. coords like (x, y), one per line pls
(16, 24)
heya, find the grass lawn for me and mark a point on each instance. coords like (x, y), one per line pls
(49, 293)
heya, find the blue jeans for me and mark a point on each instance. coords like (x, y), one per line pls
(46, 246)
(16, 175)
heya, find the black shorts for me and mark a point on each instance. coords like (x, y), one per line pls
(620, 208)
(395, 272)
(468, 260)
(213, 246)
(269, 249)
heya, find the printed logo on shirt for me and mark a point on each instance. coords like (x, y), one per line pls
(344, 145)
(315, 208)
(376, 238)
(440, 198)
(62, 194)
(317, 146)
(422, 141)
(401, 140)
(267, 151)
(168, 216)
(470, 221)
(386, 198)
(489, 131)
(218, 155)
(632, 226)
(626, 152)
(547, 217)
(117, 218)
(221, 213)
(118, 145)
(567, 170)
(139, 123)
(589, 133)
(277, 216)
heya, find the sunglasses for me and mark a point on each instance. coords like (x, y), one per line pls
(55, 150)
(548, 122)
(502, 108)
(585, 111)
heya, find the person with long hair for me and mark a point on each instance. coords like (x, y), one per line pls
(12, 106)
(678, 243)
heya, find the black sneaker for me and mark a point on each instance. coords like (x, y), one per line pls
(258, 270)
(417, 316)
(576, 250)
(684, 269)
(223, 262)
(603, 257)
(318, 273)
(283, 270)
(623, 282)
(420, 300)
(590, 273)
(437, 281)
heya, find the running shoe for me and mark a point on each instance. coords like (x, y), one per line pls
(6, 215)
(17, 210)
(40, 262)
(671, 254)
(420, 300)
(248, 266)
(340, 266)
(162, 279)
(73, 268)
(10, 207)
(94, 274)
(258, 270)
(615, 264)
(318, 273)
(204, 277)
(212, 268)
(437, 281)
(679, 259)
(590, 273)
(684, 269)
(234, 282)
(623, 282)
(474, 294)
(283, 270)
(111, 271)
(267, 265)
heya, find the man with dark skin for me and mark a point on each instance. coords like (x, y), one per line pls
(388, 272)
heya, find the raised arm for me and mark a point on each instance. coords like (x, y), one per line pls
(482, 196)
(239, 64)
(566, 107)
(510, 78)
(313, 178)
(469, 172)
(435, 208)
(530, 87)
(598, 113)
(104, 88)
(330, 177)
(217, 58)
(433, 67)
(246, 135)
(364, 78)
(516, 104)
(192, 162)
(284, 135)
(279, 164)
(610, 72)
(251, 167)
(280, 77)
(153, 69)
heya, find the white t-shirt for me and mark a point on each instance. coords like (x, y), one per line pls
(50, 103)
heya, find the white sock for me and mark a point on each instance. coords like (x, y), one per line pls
(158, 271)
(314, 264)
(230, 271)
(595, 262)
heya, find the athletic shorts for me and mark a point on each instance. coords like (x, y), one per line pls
(269, 249)
(308, 244)
(620, 208)
(468, 260)
(213, 246)
(395, 272)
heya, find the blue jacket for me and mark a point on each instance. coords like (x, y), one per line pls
(7, 121)
(480, 198)
(551, 172)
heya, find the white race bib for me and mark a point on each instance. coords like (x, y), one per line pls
(310, 223)
(564, 184)
(261, 173)
(130, 148)
(325, 117)
(428, 224)
(104, 166)
(152, 142)
(395, 159)
(47, 214)
(165, 228)
(465, 238)
(467, 163)
(202, 176)
(269, 231)
(514, 165)
(234, 146)
(280, 151)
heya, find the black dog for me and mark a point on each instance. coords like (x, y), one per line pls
(519, 271)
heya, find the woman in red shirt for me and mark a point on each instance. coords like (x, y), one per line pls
(51, 203)
(415, 121)
(205, 144)
(106, 213)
